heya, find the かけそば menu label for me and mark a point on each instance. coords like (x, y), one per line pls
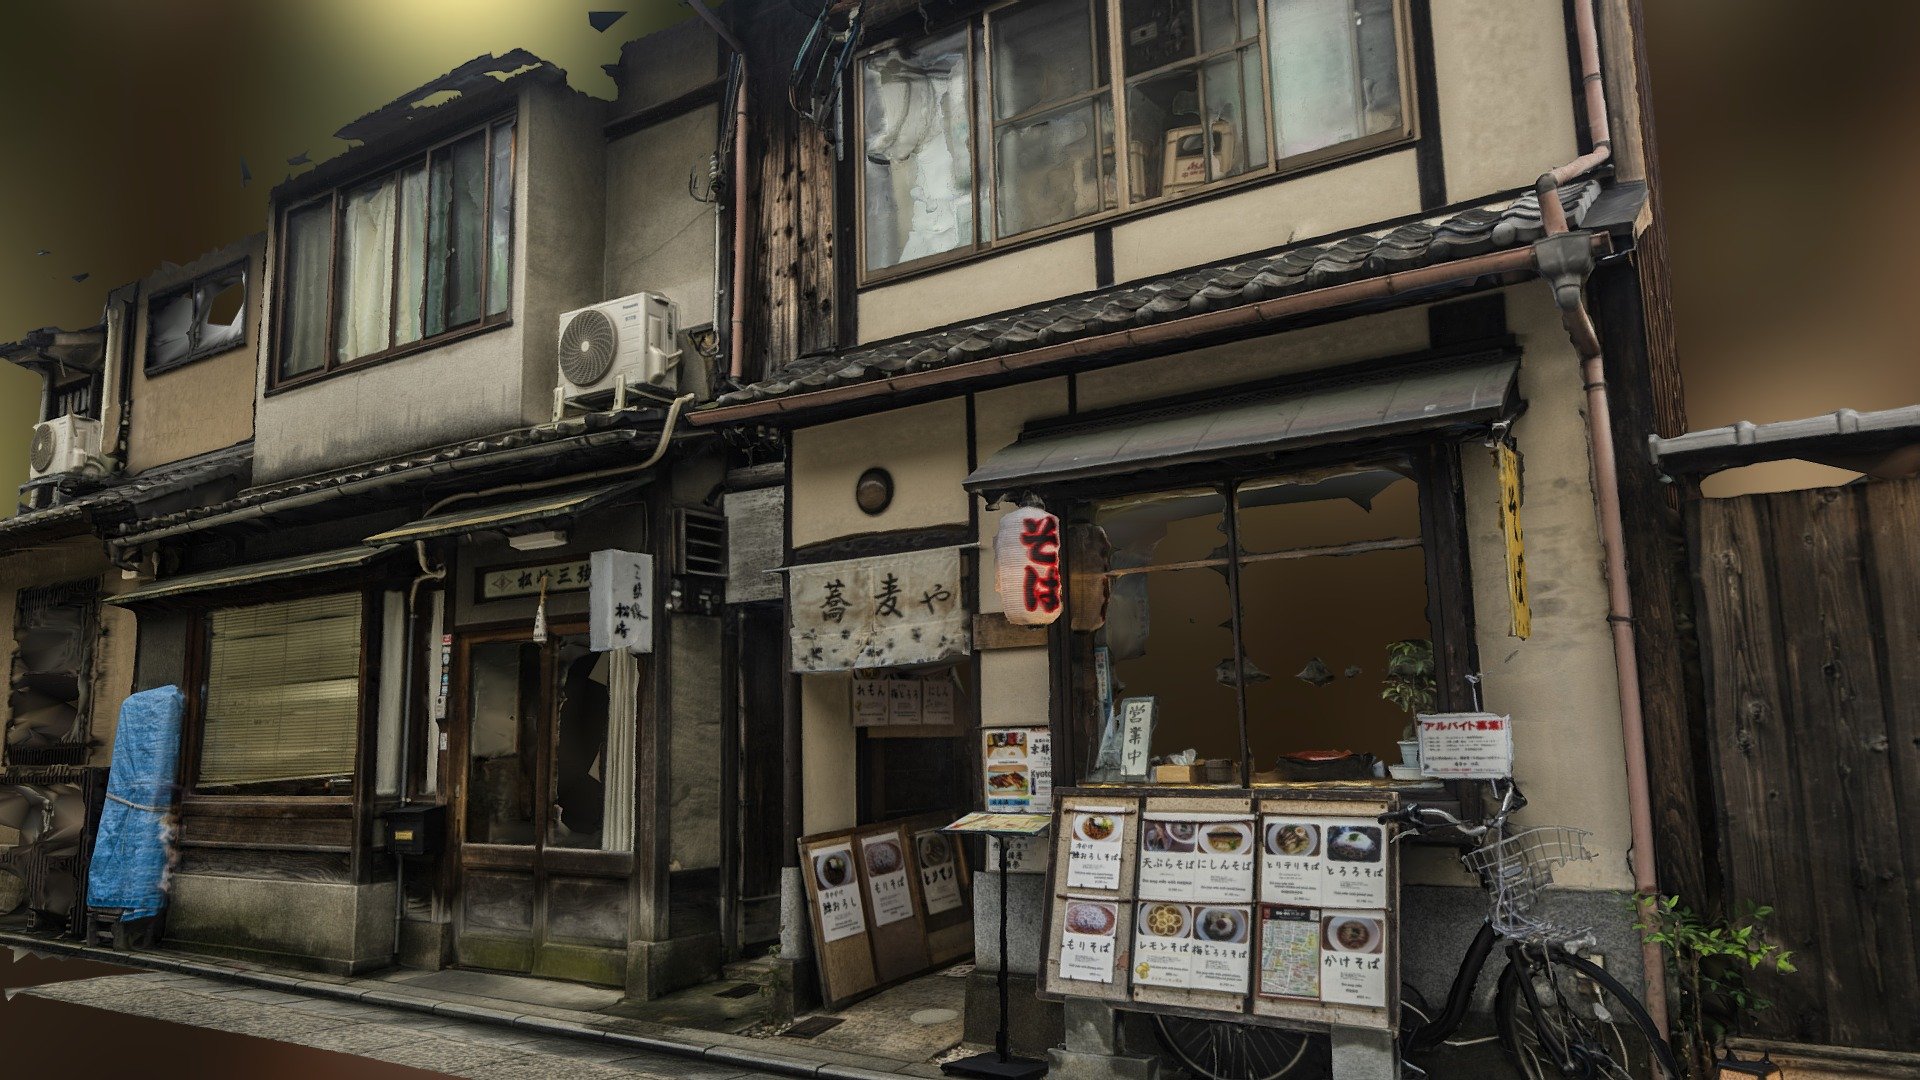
(1315, 860)
(1088, 934)
(1193, 856)
(887, 878)
(1353, 958)
(1195, 946)
(1095, 838)
(838, 893)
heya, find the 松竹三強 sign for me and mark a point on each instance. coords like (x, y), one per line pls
(1026, 555)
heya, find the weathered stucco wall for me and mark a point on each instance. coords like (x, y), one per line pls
(1030, 275)
(924, 447)
(1506, 97)
(659, 238)
(828, 750)
(208, 404)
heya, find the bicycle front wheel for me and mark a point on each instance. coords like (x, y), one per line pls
(1226, 1050)
(1578, 1022)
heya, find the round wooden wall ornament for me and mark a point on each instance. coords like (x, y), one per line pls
(873, 492)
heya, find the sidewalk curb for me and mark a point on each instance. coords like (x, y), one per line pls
(692, 1044)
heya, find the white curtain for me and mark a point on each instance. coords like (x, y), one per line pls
(363, 293)
(623, 715)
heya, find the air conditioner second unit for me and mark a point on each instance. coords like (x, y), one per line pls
(65, 444)
(627, 346)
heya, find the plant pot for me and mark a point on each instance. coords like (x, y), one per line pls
(1410, 752)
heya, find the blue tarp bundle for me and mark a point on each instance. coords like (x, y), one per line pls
(130, 853)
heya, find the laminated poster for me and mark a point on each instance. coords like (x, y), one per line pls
(1093, 847)
(939, 871)
(1314, 861)
(903, 701)
(887, 878)
(839, 893)
(936, 702)
(1289, 951)
(1018, 767)
(1353, 958)
(869, 702)
(1087, 940)
(1191, 856)
(1195, 946)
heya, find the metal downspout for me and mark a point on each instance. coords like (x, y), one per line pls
(736, 289)
(1566, 259)
(406, 729)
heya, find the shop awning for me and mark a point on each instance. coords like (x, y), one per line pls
(253, 574)
(504, 515)
(1425, 399)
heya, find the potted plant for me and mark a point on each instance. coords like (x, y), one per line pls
(1412, 687)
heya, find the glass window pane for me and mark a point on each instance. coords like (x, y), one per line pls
(1315, 84)
(500, 228)
(1239, 115)
(1379, 66)
(580, 754)
(1052, 168)
(504, 710)
(413, 254)
(1164, 112)
(919, 156)
(223, 311)
(466, 230)
(1042, 52)
(363, 289)
(308, 241)
(1220, 24)
(1169, 636)
(1158, 33)
(169, 326)
(433, 319)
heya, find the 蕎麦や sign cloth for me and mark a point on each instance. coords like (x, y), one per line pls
(883, 611)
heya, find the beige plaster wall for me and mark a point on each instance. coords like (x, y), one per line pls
(924, 447)
(1030, 275)
(208, 404)
(659, 237)
(827, 751)
(113, 648)
(1267, 216)
(1506, 105)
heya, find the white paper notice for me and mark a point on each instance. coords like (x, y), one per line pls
(887, 878)
(869, 702)
(1093, 848)
(1353, 958)
(1355, 868)
(936, 702)
(1025, 854)
(1040, 765)
(939, 871)
(1087, 940)
(1197, 857)
(1162, 944)
(841, 915)
(1200, 946)
(1466, 746)
(903, 701)
(1290, 861)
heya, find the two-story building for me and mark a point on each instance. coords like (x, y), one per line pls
(1256, 299)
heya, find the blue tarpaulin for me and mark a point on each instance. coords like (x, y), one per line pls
(130, 854)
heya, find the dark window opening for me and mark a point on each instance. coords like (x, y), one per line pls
(197, 320)
(48, 686)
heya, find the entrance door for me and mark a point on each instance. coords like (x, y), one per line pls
(544, 866)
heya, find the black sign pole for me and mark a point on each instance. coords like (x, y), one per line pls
(1000, 1064)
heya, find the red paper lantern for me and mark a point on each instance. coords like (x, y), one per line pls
(1026, 555)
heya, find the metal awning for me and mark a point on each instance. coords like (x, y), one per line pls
(1884, 444)
(505, 515)
(1426, 399)
(253, 574)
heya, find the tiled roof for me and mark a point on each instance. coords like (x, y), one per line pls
(121, 498)
(1301, 268)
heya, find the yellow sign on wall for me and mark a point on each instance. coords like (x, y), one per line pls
(1521, 625)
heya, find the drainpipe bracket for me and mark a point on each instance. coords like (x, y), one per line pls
(1565, 260)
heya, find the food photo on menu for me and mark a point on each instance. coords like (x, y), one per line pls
(1171, 836)
(1096, 828)
(1295, 839)
(833, 869)
(883, 857)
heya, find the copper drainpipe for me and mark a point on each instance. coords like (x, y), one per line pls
(737, 280)
(1565, 260)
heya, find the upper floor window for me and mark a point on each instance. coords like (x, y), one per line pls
(1007, 126)
(378, 267)
(205, 316)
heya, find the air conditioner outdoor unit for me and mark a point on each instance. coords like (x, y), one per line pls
(63, 445)
(630, 345)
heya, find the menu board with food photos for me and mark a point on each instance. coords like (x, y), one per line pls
(1264, 910)
(885, 901)
(1017, 767)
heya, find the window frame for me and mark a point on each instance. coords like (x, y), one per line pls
(244, 268)
(1434, 466)
(334, 197)
(985, 187)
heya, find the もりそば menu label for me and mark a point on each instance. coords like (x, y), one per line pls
(887, 878)
(1087, 939)
(939, 871)
(1187, 856)
(838, 898)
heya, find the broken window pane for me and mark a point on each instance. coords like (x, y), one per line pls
(309, 254)
(413, 255)
(363, 292)
(1158, 33)
(222, 322)
(169, 328)
(53, 633)
(919, 152)
(500, 229)
(580, 747)
(504, 709)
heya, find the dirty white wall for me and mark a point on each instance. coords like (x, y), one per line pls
(924, 447)
(208, 404)
(1506, 92)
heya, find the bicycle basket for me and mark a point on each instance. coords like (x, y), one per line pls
(1514, 870)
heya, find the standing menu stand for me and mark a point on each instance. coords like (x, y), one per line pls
(1000, 1064)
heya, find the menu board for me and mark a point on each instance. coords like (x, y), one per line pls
(939, 871)
(886, 878)
(903, 701)
(1199, 946)
(869, 701)
(936, 702)
(1089, 939)
(839, 893)
(1326, 921)
(1319, 860)
(1353, 961)
(1096, 836)
(1017, 766)
(1197, 856)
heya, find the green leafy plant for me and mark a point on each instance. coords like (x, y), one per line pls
(1709, 960)
(1411, 683)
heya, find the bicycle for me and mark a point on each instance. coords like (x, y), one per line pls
(1557, 1013)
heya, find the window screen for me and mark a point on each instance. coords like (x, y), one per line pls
(283, 697)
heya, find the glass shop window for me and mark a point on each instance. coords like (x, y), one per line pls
(282, 703)
(537, 768)
(1011, 123)
(204, 317)
(406, 257)
(1327, 572)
